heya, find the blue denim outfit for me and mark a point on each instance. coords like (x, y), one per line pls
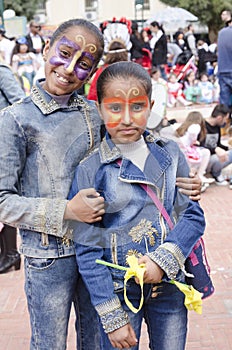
(132, 224)
(10, 92)
(41, 144)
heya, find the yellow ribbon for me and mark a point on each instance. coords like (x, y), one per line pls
(193, 299)
(134, 270)
(137, 271)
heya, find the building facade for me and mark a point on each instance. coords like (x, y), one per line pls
(98, 11)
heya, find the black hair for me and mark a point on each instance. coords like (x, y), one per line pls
(79, 22)
(125, 70)
(154, 70)
(220, 109)
(157, 24)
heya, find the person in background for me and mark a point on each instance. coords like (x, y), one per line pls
(117, 47)
(207, 89)
(139, 43)
(43, 138)
(6, 46)
(191, 89)
(191, 132)
(173, 51)
(179, 39)
(10, 92)
(117, 52)
(226, 17)
(175, 92)
(190, 40)
(36, 41)
(132, 224)
(158, 44)
(224, 49)
(221, 155)
(23, 62)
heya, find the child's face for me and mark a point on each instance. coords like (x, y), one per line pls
(204, 78)
(172, 78)
(23, 48)
(125, 109)
(191, 76)
(156, 76)
(70, 61)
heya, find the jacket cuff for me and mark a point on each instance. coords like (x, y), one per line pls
(49, 217)
(112, 315)
(169, 258)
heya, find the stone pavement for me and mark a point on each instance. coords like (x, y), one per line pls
(209, 331)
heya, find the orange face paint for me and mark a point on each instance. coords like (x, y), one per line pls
(125, 110)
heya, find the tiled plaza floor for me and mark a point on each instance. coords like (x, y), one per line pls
(209, 331)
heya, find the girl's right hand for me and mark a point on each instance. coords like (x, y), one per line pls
(86, 206)
(123, 338)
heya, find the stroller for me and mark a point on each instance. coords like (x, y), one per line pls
(184, 62)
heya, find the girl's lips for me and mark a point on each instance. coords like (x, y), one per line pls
(128, 131)
(62, 79)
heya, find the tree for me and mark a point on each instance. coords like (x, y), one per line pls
(208, 12)
(25, 8)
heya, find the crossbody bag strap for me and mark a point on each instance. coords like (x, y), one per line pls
(158, 204)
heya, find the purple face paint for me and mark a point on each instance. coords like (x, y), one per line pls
(77, 59)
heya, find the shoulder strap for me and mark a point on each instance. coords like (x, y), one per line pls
(159, 205)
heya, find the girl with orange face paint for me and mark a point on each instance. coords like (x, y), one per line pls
(125, 109)
(132, 225)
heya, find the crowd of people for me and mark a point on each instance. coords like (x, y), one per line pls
(71, 173)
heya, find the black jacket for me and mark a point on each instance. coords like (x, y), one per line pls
(30, 43)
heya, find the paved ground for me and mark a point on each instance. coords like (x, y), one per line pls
(209, 331)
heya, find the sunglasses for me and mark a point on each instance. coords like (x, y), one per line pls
(37, 27)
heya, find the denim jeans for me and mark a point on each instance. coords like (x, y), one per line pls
(165, 316)
(225, 82)
(51, 286)
(215, 166)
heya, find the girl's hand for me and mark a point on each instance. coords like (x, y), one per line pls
(191, 186)
(123, 338)
(153, 273)
(87, 206)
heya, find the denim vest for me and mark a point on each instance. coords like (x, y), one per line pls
(40, 146)
(132, 223)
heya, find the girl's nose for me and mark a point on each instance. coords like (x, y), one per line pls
(127, 118)
(70, 66)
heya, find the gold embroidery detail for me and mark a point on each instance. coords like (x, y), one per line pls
(143, 229)
(66, 241)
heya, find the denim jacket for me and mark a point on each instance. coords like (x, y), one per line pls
(41, 144)
(10, 89)
(132, 223)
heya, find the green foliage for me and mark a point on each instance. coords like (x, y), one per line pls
(23, 7)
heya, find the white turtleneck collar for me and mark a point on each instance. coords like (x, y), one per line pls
(136, 152)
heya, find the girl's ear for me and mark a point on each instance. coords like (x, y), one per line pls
(99, 109)
(152, 103)
(46, 49)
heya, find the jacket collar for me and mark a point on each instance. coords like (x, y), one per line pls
(47, 104)
(109, 152)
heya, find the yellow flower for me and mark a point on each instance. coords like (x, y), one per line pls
(193, 299)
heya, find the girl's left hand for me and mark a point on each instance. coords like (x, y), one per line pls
(191, 186)
(153, 273)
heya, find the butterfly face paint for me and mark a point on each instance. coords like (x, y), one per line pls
(126, 108)
(76, 56)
